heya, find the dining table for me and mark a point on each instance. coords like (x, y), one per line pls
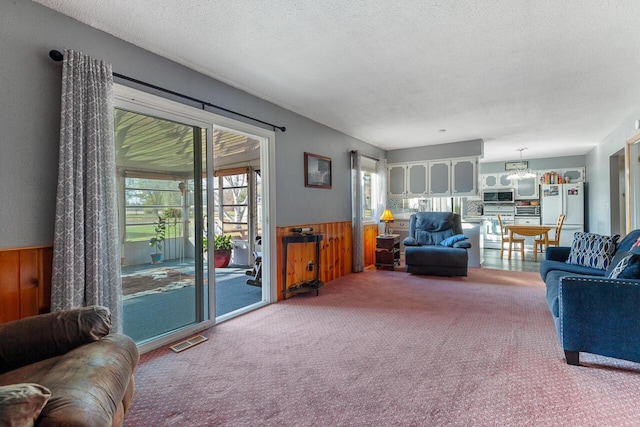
(529, 230)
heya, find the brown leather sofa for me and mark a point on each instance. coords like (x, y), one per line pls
(65, 368)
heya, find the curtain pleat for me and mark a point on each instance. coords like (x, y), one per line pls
(356, 212)
(86, 261)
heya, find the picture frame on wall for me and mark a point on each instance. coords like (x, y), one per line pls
(317, 171)
(514, 166)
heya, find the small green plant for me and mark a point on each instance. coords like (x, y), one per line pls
(222, 241)
(160, 228)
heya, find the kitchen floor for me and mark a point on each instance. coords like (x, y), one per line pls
(490, 258)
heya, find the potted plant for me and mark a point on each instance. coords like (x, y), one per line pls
(160, 228)
(222, 246)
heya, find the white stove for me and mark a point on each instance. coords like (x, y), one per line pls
(491, 237)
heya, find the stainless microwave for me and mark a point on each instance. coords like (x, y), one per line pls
(498, 196)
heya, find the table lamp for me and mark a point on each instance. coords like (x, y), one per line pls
(386, 217)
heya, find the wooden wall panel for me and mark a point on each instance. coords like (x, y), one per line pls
(29, 282)
(25, 282)
(335, 254)
(370, 233)
(9, 286)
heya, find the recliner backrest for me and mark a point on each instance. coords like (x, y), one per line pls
(431, 228)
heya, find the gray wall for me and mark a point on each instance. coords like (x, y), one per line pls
(440, 151)
(30, 115)
(598, 173)
(538, 164)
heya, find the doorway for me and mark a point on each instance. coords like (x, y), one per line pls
(172, 208)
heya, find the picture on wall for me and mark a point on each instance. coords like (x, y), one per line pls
(317, 171)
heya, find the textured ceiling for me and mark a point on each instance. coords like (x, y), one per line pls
(553, 76)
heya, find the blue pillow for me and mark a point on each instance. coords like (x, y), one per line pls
(592, 250)
(449, 241)
(627, 268)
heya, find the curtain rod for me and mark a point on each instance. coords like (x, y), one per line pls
(365, 155)
(57, 56)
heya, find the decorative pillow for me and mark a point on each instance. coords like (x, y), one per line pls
(449, 241)
(20, 404)
(592, 250)
(627, 268)
(636, 247)
(617, 258)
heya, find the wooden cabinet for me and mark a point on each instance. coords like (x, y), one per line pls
(388, 251)
(25, 282)
(397, 180)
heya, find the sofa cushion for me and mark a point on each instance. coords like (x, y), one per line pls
(627, 268)
(449, 241)
(20, 404)
(36, 338)
(548, 266)
(592, 250)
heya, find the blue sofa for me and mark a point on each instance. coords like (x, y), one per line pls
(436, 245)
(593, 313)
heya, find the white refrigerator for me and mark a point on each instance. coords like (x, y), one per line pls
(567, 199)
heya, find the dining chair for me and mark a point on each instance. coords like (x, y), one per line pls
(538, 244)
(504, 237)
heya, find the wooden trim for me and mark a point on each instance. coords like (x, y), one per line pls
(627, 178)
(27, 247)
(335, 254)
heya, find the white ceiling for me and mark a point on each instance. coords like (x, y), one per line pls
(553, 76)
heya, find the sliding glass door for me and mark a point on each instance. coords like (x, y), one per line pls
(186, 180)
(161, 164)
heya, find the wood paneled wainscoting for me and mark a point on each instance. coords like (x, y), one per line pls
(335, 253)
(25, 282)
(370, 234)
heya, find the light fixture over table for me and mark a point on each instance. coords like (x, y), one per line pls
(521, 171)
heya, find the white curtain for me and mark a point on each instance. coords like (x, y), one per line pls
(356, 212)
(86, 261)
(381, 189)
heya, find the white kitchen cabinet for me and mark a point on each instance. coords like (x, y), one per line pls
(526, 189)
(496, 181)
(397, 180)
(488, 181)
(418, 179)
(463, 176)
(504, 181)
(574, 174)
(440, 178)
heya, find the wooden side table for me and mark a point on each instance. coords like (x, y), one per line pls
(387, 251)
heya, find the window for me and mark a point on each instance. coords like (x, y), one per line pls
(370, 189)
(145, 200)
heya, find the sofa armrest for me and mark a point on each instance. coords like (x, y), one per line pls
(410, 241)
(36, 338)
(600, 315)
(558, 253)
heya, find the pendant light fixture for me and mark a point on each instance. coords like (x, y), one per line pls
(521, 171)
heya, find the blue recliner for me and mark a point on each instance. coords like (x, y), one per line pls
(436, 245)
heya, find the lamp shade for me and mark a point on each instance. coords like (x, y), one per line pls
(387, 216)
